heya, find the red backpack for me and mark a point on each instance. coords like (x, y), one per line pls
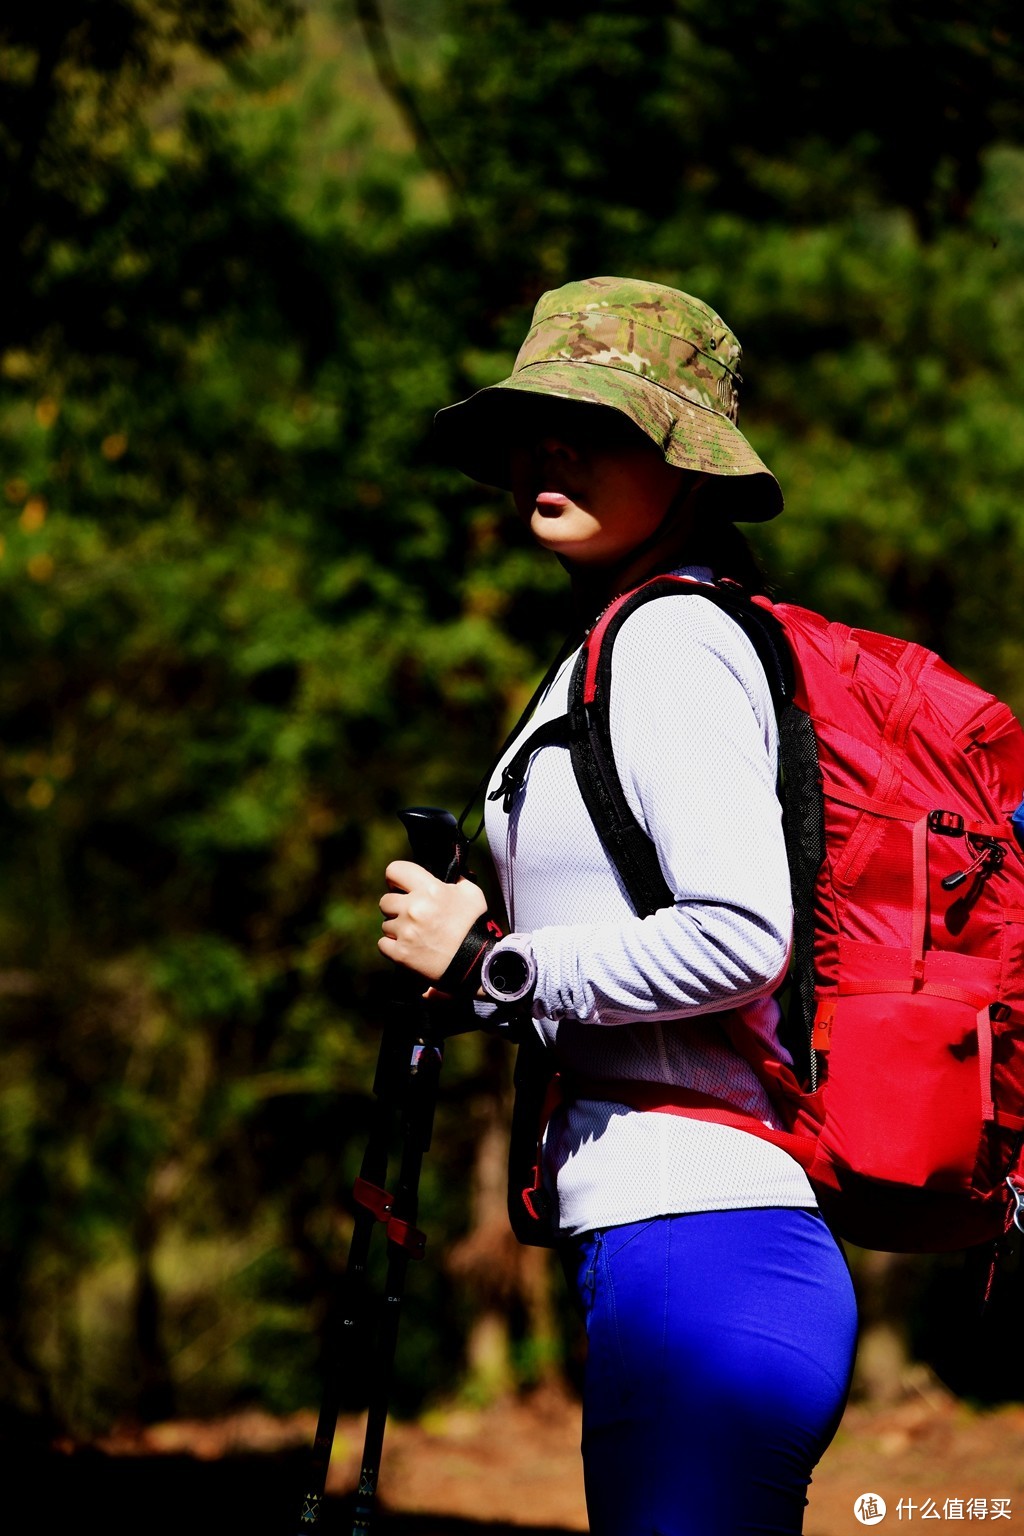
(904, 1005)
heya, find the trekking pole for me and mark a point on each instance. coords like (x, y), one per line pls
(408, 1066)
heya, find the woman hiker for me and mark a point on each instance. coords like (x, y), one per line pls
(719, 1309)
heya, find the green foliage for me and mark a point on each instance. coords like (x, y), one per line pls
(245, 616)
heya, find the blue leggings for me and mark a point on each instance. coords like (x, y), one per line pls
(720, 1347)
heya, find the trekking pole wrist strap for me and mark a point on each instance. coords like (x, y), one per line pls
(463, 973)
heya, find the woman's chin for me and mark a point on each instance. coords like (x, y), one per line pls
(562, 536)
(569, 551)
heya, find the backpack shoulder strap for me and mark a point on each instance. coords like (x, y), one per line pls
(590, 743)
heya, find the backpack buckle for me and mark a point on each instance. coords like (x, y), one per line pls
(511, 784)
(948, 823)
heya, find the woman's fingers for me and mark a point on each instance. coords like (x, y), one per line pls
(404, 875)
(425, 920)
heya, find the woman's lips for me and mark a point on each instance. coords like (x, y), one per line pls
(549, 503)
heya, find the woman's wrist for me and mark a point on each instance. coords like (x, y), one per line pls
(495, 967)
(462, 976)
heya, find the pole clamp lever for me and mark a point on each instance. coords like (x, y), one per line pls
(381, 1203)
(407, 1236)
(375, 1199)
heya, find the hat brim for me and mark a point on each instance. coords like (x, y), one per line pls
(476, 434)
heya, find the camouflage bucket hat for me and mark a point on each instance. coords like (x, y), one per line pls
(657, 356)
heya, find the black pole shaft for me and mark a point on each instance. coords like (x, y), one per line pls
(417, 1130)
(347, 1350)
(408, 1066)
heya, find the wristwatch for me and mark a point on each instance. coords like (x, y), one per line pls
(509, 971)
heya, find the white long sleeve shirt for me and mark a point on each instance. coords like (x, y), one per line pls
(625, 997)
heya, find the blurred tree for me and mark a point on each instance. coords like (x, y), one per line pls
(232, 671)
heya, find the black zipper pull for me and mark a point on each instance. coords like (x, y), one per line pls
(986, 861)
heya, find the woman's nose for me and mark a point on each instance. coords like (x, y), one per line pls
(551, 446)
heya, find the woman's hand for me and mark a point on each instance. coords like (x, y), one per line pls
(425, 920)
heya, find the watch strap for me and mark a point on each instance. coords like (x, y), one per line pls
(463, 973)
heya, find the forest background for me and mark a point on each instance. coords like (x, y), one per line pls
(249, 247)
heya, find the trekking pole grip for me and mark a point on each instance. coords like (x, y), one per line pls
(435, 840)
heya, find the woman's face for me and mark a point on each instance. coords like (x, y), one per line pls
(590, 485)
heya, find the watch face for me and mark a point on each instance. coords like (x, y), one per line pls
(508, 972)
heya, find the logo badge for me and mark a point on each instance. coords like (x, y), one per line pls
(870, 1509)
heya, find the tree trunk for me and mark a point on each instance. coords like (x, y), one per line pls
(885, 1283)
(512, 1339)
(154, 1391)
